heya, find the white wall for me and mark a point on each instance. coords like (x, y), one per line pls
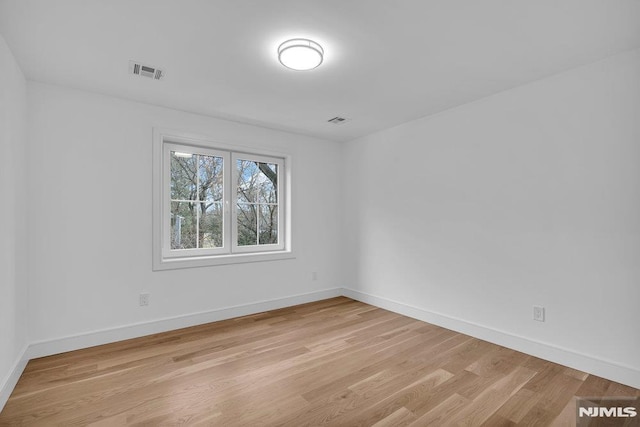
(529, 197)
(13, 256)
(90, 217)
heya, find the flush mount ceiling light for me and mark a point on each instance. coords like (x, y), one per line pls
(300, 54)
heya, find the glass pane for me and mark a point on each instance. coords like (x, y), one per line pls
(247, 224)
(211, 225)
(268, 182)
(257, 181)
(210, 171)
(183, 176)
(247, 180)
(268, 224)
(183, 225)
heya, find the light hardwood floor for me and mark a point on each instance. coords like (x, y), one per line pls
(334, 362)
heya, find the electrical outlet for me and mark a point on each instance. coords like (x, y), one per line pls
(538, 313)
(314, 276)
(144, 299)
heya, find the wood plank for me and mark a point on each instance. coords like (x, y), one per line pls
(566, 417)
(493, 397)
(444, 412)
(552, 399)
(518, 405)
(400, 418)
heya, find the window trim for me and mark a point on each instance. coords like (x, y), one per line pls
(163, 257)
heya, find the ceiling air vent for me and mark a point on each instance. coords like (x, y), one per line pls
(145, 70)
(337, 120)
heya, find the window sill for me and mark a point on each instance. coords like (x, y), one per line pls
(208, 261)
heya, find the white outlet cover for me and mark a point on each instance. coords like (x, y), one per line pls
(144, 299)
(538, 313)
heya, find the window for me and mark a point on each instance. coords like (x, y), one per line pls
(218, 204)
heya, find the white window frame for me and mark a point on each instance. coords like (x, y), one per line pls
(164, 257)
(235, 248)
(167, 252)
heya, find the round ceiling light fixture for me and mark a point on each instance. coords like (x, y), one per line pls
(300, 54)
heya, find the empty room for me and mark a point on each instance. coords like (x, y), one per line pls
(319, 212)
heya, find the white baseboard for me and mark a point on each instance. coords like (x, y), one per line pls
(105, 336)
(9, 383)
(582, 362)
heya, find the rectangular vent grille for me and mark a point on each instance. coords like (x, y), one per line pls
(138, 69)
(337, 120)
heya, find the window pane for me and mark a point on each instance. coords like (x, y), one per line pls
(247, 181)
(211, 225)
(247, 224)
(183, 225)
(257, 181)
(210, 171)
(268, 183)
(183, 176)
(268, 224)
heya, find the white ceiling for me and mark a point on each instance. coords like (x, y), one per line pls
(387, 62)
